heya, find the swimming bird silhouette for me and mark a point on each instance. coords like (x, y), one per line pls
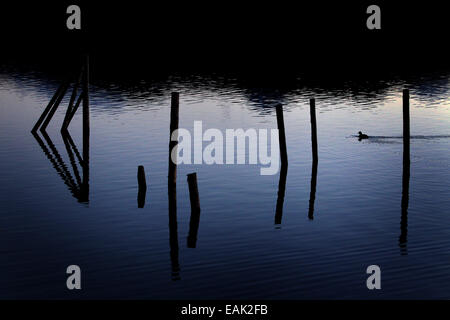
(362, 135)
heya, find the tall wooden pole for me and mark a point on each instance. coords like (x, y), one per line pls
(281, 135)
(312, 108)
(73, 96)
(49, 107)
(406, 123)
(174, 110)
(86, 130)
(54, 107)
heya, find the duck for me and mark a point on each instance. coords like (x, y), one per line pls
(362, 135)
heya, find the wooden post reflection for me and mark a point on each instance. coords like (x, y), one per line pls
(172, 186)
(52, 153)
(312, 194)
(55, 159)
(195, 210)
(80, 188)
(68, 140)
(142, 186)
(70, 153)
(403, 239)
(68, 177)
(281, 193)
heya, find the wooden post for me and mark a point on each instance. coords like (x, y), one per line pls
(281, 134)
(55, 106)
(141, 178)
(74, 110)
(86, 131)
(47, 109)
(73, 96)
(405, 113)
(142, 186)
(174, 110)
(312, 111)
(195, 210)
(406, 124)
(315, 157)
(74, 148)
(86, 124)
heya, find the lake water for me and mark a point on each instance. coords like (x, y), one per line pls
(125, 251)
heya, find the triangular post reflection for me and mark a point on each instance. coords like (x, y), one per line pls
(78, 187)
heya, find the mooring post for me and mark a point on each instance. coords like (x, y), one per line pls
(195, 210)
(173, 140)
(142, 184)
(74, 110)
(47, 109)
(86, 124)
(55, 106)
(141, 178)
(312, 111)
(281, 134)
(406, 123)
(86, 130)
(73, 96)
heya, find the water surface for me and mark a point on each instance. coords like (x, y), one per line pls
(318, 252)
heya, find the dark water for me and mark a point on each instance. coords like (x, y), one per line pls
(125, 252)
